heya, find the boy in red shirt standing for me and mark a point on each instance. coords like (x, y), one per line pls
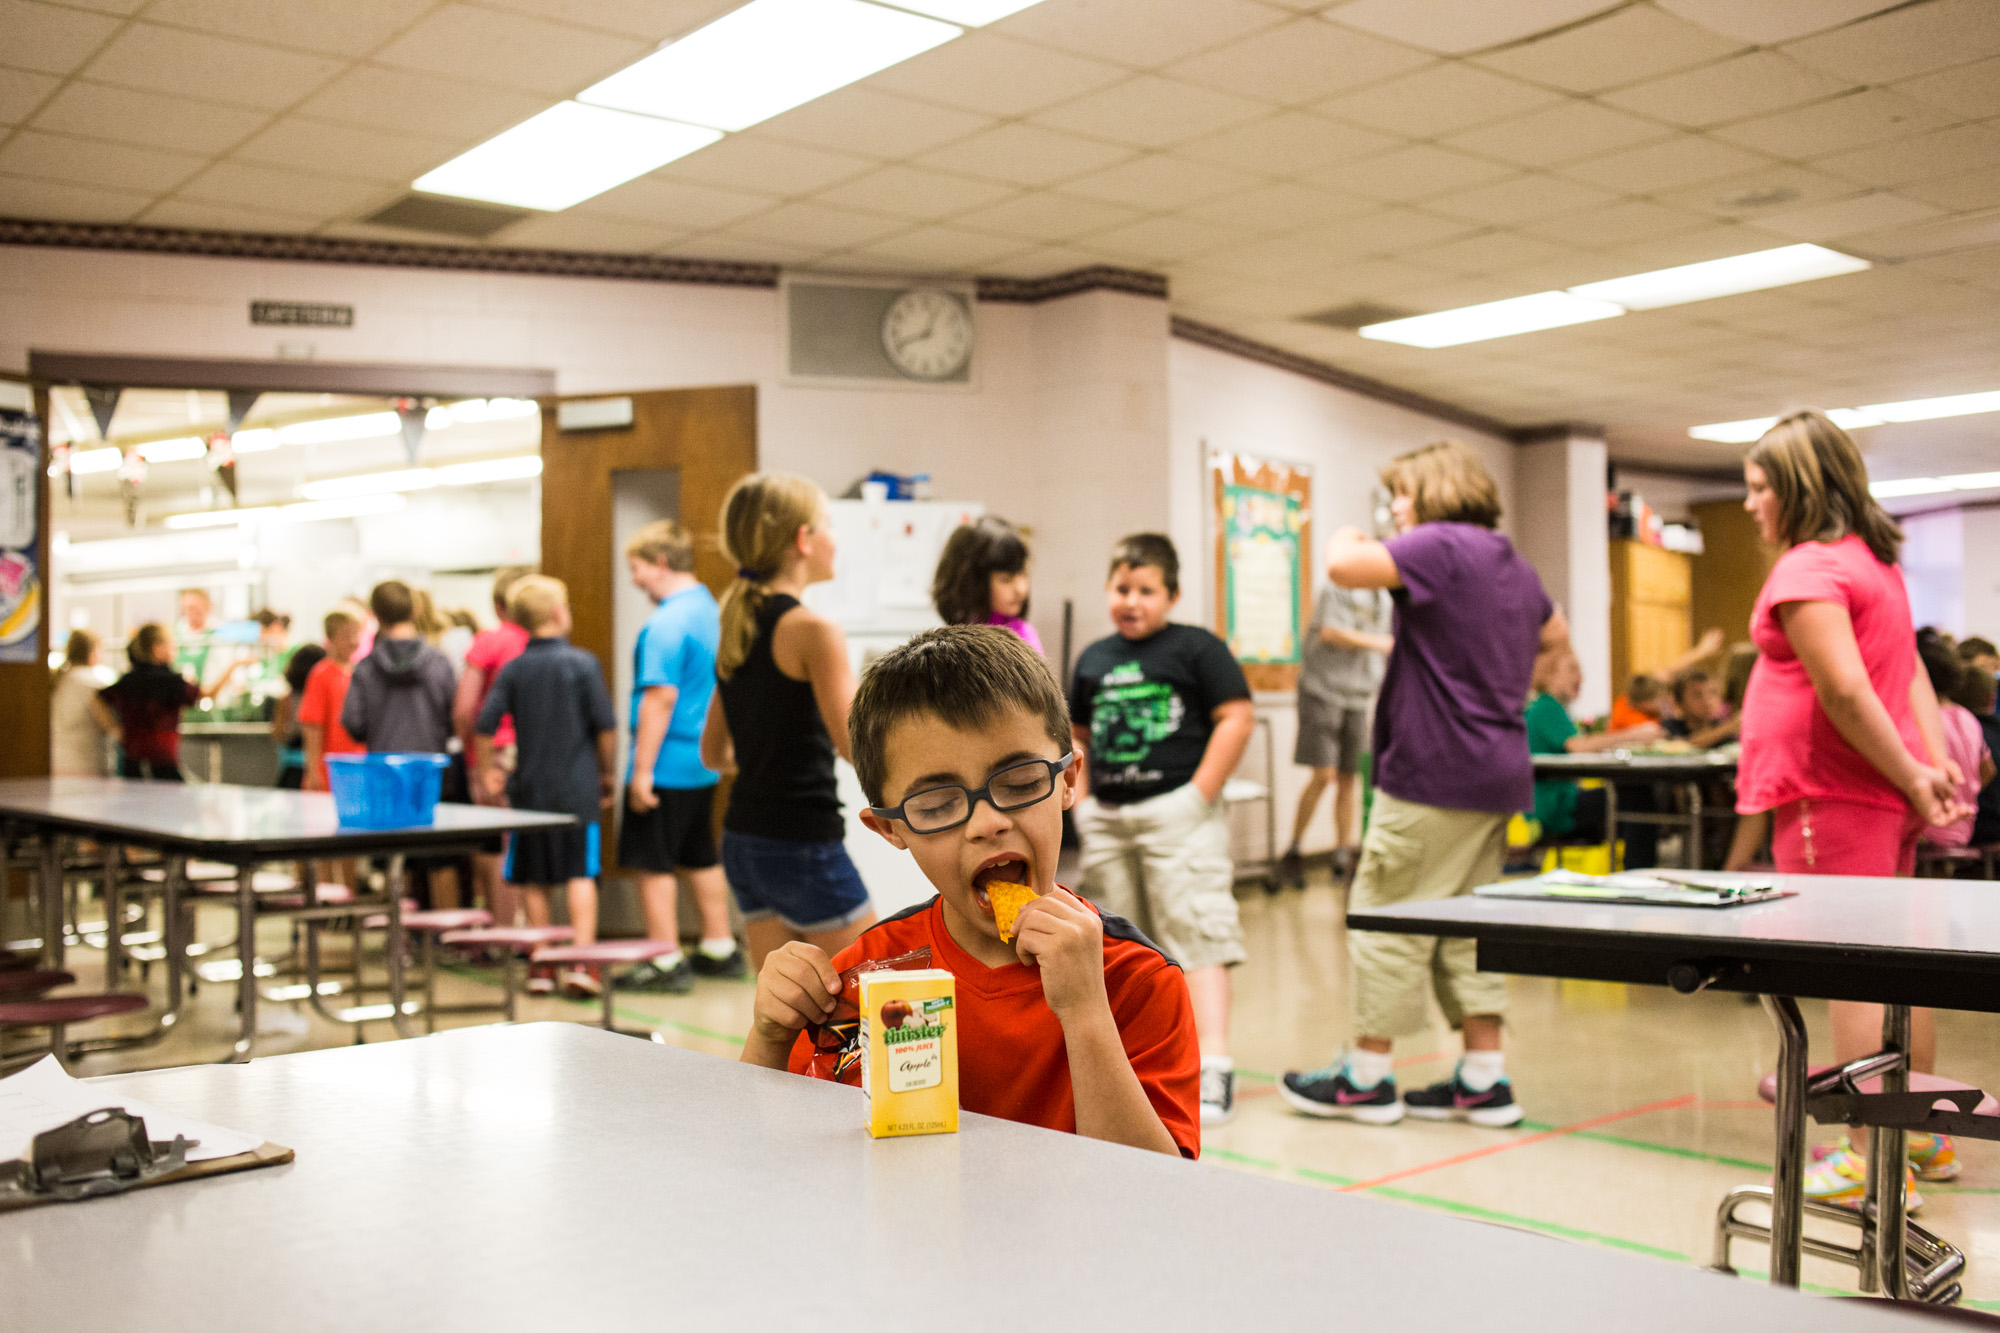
(324, 695)
(1079, 1023)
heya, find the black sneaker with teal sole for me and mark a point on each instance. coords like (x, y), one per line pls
(1494, 1108)
(1328, 1093)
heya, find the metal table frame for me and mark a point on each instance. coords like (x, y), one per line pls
(1688, 772)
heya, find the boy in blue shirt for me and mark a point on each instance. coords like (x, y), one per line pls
(668, 834)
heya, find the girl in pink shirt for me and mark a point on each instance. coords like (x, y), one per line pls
(1964, 742)
(1842, 740)
(982, 578)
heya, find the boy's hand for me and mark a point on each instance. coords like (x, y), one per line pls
(639, 793)
(1065, 939)
(607, 791)
(794, 990)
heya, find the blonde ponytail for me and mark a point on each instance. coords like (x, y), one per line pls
(761, 518)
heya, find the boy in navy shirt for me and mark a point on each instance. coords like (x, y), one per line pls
(567, 741)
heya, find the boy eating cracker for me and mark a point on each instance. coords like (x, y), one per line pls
(1075, 1021)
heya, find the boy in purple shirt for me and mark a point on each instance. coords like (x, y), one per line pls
(1451, 767)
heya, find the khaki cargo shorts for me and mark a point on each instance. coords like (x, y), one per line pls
(1164, 865)
(1418, 853)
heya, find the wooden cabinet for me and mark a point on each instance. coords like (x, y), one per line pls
(1652, 619)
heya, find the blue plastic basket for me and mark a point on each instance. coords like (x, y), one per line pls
(385, 790)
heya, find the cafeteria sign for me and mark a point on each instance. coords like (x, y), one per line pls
(20, 499)
(310, 314)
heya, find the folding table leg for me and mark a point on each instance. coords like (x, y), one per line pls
(246, 953)
(1788, 1179)
(1885, 1163)
(397, 1017)
(51, 887)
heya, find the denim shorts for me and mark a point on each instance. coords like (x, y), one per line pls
(810, 886)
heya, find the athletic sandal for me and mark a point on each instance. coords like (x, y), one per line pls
(1495, 1108)
(1841, 1177)
(1329, 1093)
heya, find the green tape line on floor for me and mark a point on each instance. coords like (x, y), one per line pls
(1691, 1154)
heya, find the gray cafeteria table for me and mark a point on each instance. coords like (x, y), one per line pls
(558, 1176)
(242, 827)
(1893, 942)
(1686, 771)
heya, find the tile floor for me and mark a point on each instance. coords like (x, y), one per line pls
(1642, 1104)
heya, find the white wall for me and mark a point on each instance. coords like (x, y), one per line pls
(1934, 568)
(1981, 585)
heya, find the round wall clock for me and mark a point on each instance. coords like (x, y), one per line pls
(927, 334)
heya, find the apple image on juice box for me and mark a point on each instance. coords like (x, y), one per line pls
(909, 1042)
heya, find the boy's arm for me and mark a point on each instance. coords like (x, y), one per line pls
(607, 768)
(465, 705)
(656, 711)
(354, 709)
(1234, 721)
(1063, 938)
(795, 988)
(717, 751)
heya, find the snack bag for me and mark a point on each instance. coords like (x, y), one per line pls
(1008, 899)
(909, 1043)
(837, 1042)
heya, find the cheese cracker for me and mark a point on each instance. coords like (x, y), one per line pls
(1008, 899)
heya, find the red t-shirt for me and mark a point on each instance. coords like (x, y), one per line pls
(1011, 1059)
(492, 649)
(319, 706)
(1791, 748)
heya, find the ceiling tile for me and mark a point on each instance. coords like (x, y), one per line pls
(21, 92)
(123, 8)
(747, 250)
(1445, 97)
(1845, 217)
(1286, 206)
(1972, 91)
(1160, 240)
(1286, 144)
(1688, 247)
(1959, 191)
(200, 216)
(1964, 148)
(393, 99)
(49, 39)
(347, 150)
(216, 69)
(1160, 182)
(1279, 257)
(1665, 166)
(1410, 173)
(1151, 112)
(94, 162)
(1453, 27)
(284, 191)
(655, 20)
(1914, 39)
(1615, 224)
(676, 204)
(511, 50)
(1519, 199)
(941, 249)
(1633, 44)
(1489, 252)
(874, 124)
(1024, 155)
(1861, 118)
(910, 192)
(1391, 231)
(983, 71)
(1300, 61)
(765, 166)
(1767, 22)
(1046, 216)
(1039, 262)
(1755, 193)
(1139, 33)
(809, 223)
(22, 197)
(349, 28)
(1560, 133)
(154, 119)
(585, 231)
(1745, 85)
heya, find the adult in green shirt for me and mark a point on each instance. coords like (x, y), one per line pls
(1561, 806)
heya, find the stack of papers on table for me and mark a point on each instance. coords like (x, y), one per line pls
(1658, 888)
(43, 1096)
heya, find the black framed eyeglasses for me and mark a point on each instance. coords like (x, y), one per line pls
(1015, 787)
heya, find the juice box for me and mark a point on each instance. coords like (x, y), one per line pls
(909, 1044)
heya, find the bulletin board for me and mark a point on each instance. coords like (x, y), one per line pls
(1263, 584)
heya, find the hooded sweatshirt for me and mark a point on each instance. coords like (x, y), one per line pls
(400, 698)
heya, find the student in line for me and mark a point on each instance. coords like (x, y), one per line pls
(1976, 694)
(1963, 741)
(1451, 767)
(785, 687)
(982, 578)
(1161, 714)
(668, 830)
(147, 701)
(1080, 1024)
(79, 720)
(324, 696)
(567, 736)
(491, 650)
(1346, 648)
(285, 729)
(399, 700)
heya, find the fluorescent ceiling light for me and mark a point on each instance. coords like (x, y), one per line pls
(1850, 418)
(219, 518)
(493, 409)
(490, 470)
(174, 451)
(1495, 319)
(1883, 490)
(750, 64)
(253, 441)
(1735, 432)
(475, 473)
(83, 462)
(369, 426)
(1974, 481)
(353, 507)
(1722, 277)
(567, 154)
(1929, 409)
(972, 13)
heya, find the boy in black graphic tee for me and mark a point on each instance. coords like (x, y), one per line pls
(1163, 713)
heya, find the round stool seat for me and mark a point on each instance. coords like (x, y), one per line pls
(459, 918)
(69, 1008)
(606, 951)
(15, 985)
(521, 939)
(1768, 1088)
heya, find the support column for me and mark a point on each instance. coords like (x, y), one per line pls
(1560, 525)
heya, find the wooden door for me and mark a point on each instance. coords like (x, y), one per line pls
(1651, 623)
(1730, 571)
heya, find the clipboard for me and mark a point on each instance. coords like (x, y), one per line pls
(265, 1154)
(1653, 888)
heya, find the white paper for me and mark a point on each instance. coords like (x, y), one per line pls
(43, 1096)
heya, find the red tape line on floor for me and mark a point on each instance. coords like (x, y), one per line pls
(1671, 1104)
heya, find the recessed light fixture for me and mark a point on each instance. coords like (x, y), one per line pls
(1907, 486)
(767, 57)
(1615, 296)
(972, 13)
(181, 450)
(567, 154)
(332, 430)
(1858, 418)
(253, 441)
(83, 462)
(424, 478)
(312, 511)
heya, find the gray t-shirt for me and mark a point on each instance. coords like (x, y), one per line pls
(1345, 677)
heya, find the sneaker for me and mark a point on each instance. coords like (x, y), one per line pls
(580, 984)
(1292, 870)
(1494, 1108)
(731, 968)
(1330, 1094)
(542, 981)
(1841, 1177)
(1218, 1094)
(1932, 1156)
(675, 980)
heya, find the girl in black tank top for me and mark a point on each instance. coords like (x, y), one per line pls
(784, 785)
